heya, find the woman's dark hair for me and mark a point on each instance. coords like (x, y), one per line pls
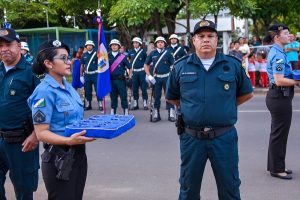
(47, 51)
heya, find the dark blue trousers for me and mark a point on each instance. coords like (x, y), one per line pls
(138, 80)
(118, 87)
(158, 87)
(23, 170)
(89, 81)
(222, 153)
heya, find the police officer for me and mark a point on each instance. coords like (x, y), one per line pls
(89, 67)
(56, 104)
(18, 143)
(208, 86)
(279, 100)
(162, 63)
(25, 51)
(118, 64)
(137, 57)
(176, 49)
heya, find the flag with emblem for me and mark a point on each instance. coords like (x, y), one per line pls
(103, 82)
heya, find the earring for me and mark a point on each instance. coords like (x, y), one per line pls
(51, 67)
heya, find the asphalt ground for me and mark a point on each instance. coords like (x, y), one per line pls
(143, 164)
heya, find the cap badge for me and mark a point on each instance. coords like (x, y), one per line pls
(3, 32)
(204, 23)
(280, 28)
(12, 92)
(226, 86)
(56, 43)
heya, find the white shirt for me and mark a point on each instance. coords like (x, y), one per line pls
(136, 50)
(114, 53)
(7, 68)
(207, 62)
(174, 45)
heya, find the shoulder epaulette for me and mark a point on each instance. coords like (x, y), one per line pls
(230, 56)
(180, 59)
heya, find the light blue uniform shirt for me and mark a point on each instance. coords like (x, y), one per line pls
(51, 104)
(278, 63)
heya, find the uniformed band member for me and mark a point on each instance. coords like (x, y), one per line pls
(118, 64)
(25, 51)
(19, 151)
(137, 59)
(89, 67)
(279, 100)
(162, 64)
(56, 104)
(176, 49)
(208, 86)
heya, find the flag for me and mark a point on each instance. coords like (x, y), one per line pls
(103, 82)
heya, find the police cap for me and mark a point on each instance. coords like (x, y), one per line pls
(278, 27)
(138, 40)
(115, 41)
(205, 24)
(160, 38)
(24, 46)
(173, 36)
(89, 42)
(9, 34)
(53, 44)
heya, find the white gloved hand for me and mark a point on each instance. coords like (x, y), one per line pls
(150, 79)
(82, 79)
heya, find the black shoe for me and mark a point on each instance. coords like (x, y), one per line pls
(88, 108)
(285, 177)
(288, 171)
(101, 108)
(156, 119)
(171, 119)
(136, 108)
(146, 108)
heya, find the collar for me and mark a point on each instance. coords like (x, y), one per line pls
(53, 83)
(136, 50)
(160, 50)
(196, 60)
(174, 45)
(115, 53)
(90, 51)
(277, 47)
(20, 65)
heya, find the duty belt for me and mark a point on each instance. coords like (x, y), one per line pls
(273, 86)
(138, 70)
(13, 136)
(91, 72)
(161, 75)
(207, 132)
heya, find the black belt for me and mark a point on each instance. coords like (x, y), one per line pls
(59, 149)
(13, 136)
(274, 86)
(207, 132)
(118, 78)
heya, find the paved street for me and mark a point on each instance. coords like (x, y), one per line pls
(143, 164)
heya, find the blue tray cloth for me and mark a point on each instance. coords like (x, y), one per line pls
(296, 74)
(102, 126)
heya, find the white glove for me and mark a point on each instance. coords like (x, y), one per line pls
(82, 79)
(150, 79)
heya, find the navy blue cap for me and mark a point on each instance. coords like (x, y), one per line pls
(9, 34)
(278, 27)
(205, 24)
(53, 44)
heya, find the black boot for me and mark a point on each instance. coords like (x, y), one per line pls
(100, 105)
(135, 105)
(156, 115)
(89, 107)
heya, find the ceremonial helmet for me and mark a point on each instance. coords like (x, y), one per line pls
(115, 41)
(137, 39)
(24, 46)
(173, 36)
(89, 42)
(160, 38)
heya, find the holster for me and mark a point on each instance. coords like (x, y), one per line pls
(179, 123)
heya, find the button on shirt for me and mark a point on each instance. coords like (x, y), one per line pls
(278, 63)
(85, 59)
(121, 68)
(139, 62)
(208, 98)
(54, 105)
(16, 85)
(164, 65)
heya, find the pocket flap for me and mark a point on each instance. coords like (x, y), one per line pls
(226, 78)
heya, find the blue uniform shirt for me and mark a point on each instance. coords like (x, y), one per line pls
(208, 98)
(85, 59)
(139, 62)
(179, 53)
(16, 86)
(121, 68)
(292, 55)
(51, 104)
(278, 63)
(164, 66)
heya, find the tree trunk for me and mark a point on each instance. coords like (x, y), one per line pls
(156, 21)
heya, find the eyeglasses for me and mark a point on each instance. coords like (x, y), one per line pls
(63, 58)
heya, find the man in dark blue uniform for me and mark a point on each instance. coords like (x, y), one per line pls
(162, 64)
(25, 51)
(118, 64)
(89, 67)
(18, 143)
(208, 86)
(137, 58)
(176, 49)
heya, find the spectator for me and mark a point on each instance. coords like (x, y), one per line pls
(292, 51)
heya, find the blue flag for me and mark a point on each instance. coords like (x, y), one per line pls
(103, 82)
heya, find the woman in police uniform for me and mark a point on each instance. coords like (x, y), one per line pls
(55, 104)
(279, 101)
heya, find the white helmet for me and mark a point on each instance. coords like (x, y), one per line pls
(115, 41)
(160, 38)
(24, 46)
(137, 39)
(89, 42)
(173, 36)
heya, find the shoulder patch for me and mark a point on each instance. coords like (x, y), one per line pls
(39, 103)
(182, 58)
(39, 117)
(279, 67)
